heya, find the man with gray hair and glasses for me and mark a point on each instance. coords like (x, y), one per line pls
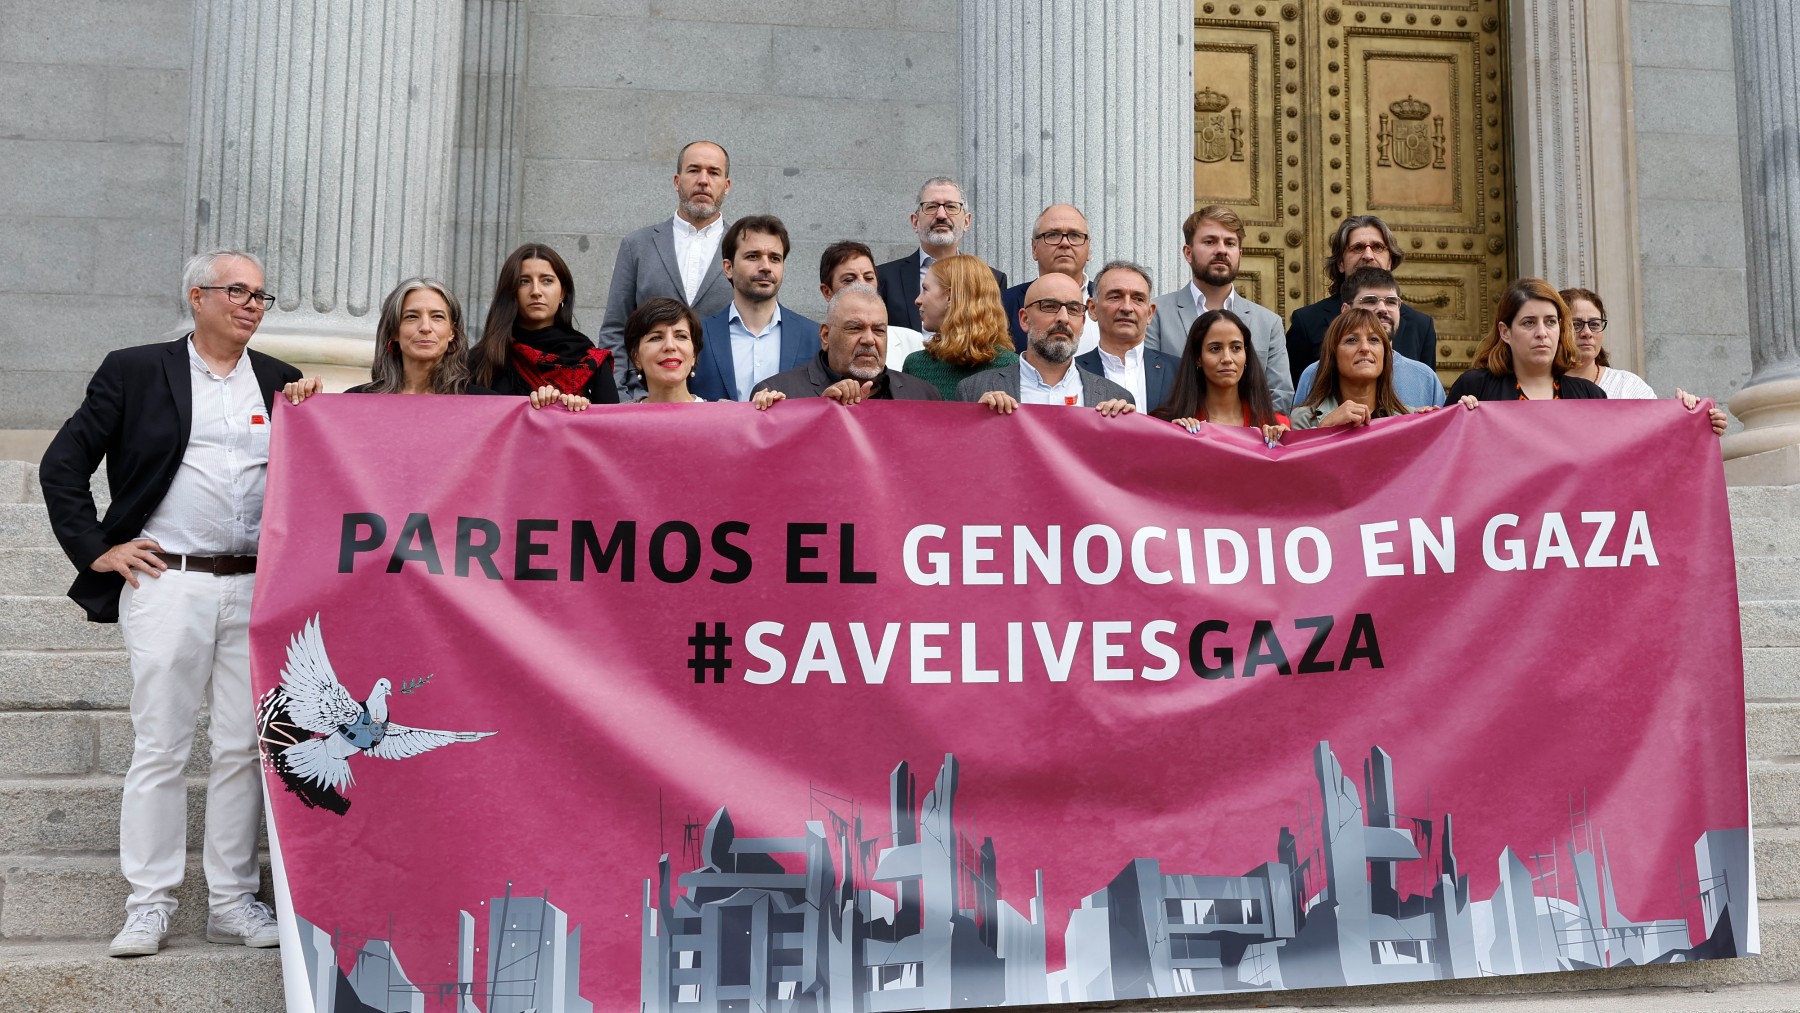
(940, 220)
(184, 429)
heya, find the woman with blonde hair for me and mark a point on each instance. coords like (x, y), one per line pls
(959, 306)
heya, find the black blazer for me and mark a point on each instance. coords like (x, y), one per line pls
(1159, 374)
(137, 414)
(810, 378)
(898, 283)
(1488, 387)
(1417, 339)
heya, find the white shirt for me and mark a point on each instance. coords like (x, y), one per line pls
(214, 505)
(1127, 371)
(1200, 299)
(754, 357)
(902, 342)
(1624, 384)
(695, 251)
(1033, 389)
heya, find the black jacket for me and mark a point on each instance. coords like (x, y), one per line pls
(137, 414)
(1417, 339)
(810, 378)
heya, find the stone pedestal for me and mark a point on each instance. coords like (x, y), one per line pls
(1767, 34)
(1083, 104)
(321, 138)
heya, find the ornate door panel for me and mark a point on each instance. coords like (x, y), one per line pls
(1305, 112)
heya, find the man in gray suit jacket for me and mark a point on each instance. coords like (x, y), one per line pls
(677, 257)
(1215, 236)
(1046, 374)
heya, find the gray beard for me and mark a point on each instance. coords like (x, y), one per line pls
(691, 210)
(939, 240)
(1054, 349)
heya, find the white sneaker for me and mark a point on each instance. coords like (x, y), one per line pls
(250, 923)
(142, 935)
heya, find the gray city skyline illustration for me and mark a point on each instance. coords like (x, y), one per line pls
(747, 930)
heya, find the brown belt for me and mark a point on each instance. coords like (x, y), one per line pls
(219, 566)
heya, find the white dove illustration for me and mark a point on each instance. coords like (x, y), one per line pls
(317, 702)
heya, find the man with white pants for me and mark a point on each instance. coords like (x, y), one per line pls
(184, 429)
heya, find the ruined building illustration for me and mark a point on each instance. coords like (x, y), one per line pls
(533, 965)
(839, 921)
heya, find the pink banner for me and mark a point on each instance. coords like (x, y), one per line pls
(911, 706)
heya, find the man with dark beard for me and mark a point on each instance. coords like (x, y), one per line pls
(1215, 237)
(851, 365)
(1052, 316)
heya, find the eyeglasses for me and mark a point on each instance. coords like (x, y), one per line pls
(1053, 238)
(932, 207)
(241, 296)
(1050, 307)
(1361, 248)
(1595, 326)
(1374, 301)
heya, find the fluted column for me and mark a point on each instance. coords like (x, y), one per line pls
(1574, 158)
(1086, 104)
(321, 139)
(1767, 38)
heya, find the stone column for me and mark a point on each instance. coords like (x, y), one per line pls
(488, 175)
(320, 139)
(1574, 158)
(1767, 38)
(1087, 104)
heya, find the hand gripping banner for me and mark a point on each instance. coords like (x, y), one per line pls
(912, 706)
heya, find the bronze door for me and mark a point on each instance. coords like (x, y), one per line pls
(1305, 112)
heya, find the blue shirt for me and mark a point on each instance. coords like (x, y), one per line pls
(1415, 384)
(755, 357)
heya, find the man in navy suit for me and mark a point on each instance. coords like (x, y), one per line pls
(755, 337)
(1121, 307)
(1059, 244)
(940, 221)
(677, 257)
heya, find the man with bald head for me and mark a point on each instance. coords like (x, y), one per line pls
(1059, 244)
(851, 364)
(1052, 316)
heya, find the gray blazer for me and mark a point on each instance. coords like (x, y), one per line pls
(1168, 334)
(646, 267)
(1094, 389)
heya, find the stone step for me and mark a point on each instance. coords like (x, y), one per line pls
(1772, 673)
(1773, 730)
(1766, 578)
(74, 815)
(65, 680)
(1770, 623)
(72, 743)
(189, 974)
(1777, 862)
(1763, 538)
(37, 572)
(19, 482)
(1774, 793)
(25, 526)
(84, 897)
(52, 624)
(1759, 502)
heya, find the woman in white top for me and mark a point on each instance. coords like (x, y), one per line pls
(1588, 315)
(662, 339)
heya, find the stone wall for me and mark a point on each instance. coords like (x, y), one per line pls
(834, 113)
(1690, 219)
(91, 153)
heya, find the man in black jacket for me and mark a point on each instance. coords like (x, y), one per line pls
(184, 429)
(1361, 241)
(851, 364)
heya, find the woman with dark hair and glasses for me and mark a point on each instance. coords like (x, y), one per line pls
(1221, 380)
(530, 341)
(1528, 354)
(1587, 318)
(421, 348)
(662, 339)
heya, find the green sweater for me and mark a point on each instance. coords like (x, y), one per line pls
(944, 376)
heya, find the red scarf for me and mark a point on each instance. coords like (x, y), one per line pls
(539, 367)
